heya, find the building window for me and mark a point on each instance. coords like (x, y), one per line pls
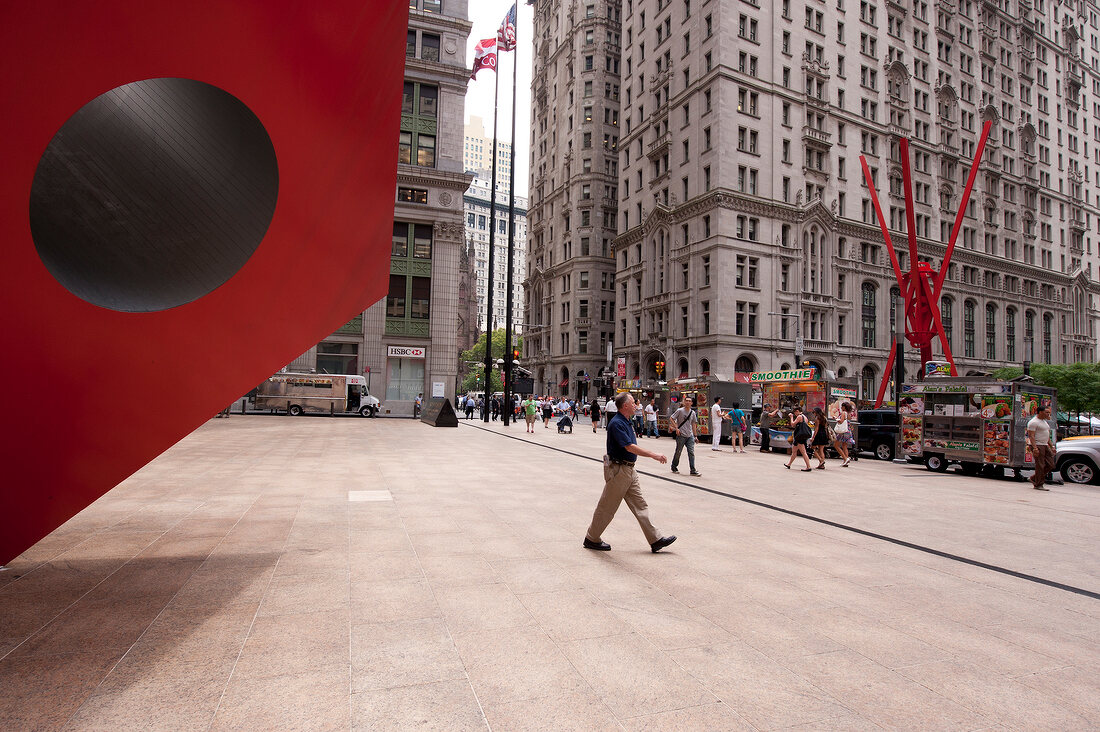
(968, 328)
(706, 317)
(416, 145)
(416, 195)
(947, 307)
(395, 300)
(1010, 334)
(991, 331)
(1048, 332)
(869, 315)
(429, 47)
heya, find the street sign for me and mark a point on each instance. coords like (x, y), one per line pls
(799, 345)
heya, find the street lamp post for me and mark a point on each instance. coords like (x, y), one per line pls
(799, 344)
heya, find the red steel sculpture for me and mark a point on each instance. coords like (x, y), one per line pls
(105, 367)
(921, 286)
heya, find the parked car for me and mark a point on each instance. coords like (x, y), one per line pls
(1078, 459)
(877, 432)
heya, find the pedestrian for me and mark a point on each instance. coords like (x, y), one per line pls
(594, 413)
(768, 417)
(530, 408)
(684, 419)
(842, 431)
(609, 410)
(821, 438)
(621, 480)
(800, 435)
(547, 411)
(717, 416)
(470, 404)
(740, 426)
(651, 419)
(495, 408)
(1041, 440)
(419, 405)
(639, 418)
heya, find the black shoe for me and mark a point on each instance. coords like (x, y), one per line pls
(600, 546)
(661, 543)
(696, 473)
(675, 470)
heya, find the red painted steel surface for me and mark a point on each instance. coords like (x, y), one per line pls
(92, 394)
(920, 287)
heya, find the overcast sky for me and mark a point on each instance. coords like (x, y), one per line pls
(486, 16)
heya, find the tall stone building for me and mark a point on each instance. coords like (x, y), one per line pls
(409, 341)
(574, 193)
(478, 221)
(477, 153)
(744, 219)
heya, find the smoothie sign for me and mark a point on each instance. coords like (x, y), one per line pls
(763, 377)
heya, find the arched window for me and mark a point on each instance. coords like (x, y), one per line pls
(869, 385)
(947, 309)
(564, 383)
(968, 328)
(991, 331)
(869, 315)
(1048, 334)
(1010, 334)
(1029, 335)
(785, 366)
(636, 370)
(744, 365)
(841, 372)
(704, 367)
(682, 368)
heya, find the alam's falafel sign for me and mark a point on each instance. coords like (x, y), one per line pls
(764, 377)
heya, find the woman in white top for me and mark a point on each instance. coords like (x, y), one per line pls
(842, 430)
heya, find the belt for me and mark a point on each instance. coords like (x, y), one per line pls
(616, 461)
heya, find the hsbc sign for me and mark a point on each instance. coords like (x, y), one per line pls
(406, 352)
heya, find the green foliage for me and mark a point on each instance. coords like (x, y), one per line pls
(1078, 384)
(472, 363)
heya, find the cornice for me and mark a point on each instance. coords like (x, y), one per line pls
(432, 176)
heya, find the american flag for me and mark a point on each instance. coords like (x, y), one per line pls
(506, 36)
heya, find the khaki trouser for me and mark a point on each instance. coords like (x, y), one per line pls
(621, 484)
(1044, 463)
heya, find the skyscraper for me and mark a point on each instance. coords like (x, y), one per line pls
(569, 290)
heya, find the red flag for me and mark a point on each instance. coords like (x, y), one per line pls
(506, 35)
(485, 56)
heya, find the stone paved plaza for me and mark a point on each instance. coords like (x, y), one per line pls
(318, 573)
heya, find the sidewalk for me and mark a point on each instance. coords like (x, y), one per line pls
(319, 573)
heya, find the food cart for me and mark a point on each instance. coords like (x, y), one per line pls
(703, 391)
(976, 422)
(806, 389)
(643, 394)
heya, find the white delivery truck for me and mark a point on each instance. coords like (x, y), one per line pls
(324, 393)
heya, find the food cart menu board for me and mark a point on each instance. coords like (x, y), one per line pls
(1029, 406)
(911, 431)
(996, 429)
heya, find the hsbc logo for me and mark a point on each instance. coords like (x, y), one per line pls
(406, 352)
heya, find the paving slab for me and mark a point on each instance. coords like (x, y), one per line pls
(333, 573)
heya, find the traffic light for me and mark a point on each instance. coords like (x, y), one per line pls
(515, 354)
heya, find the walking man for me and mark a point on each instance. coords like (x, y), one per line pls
(651, 419)
(768, 417)
(683, 421)
(530, 408)
(1041, 439)
(716, 417)
(621, 480)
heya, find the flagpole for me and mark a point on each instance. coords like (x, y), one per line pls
(492, 240)
(508, 365)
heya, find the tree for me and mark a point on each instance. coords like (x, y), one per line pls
(473, 361)
(1077, 384)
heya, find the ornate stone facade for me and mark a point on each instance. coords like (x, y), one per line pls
(744, 220)
(574, 197)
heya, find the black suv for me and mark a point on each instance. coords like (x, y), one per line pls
(877, 432)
